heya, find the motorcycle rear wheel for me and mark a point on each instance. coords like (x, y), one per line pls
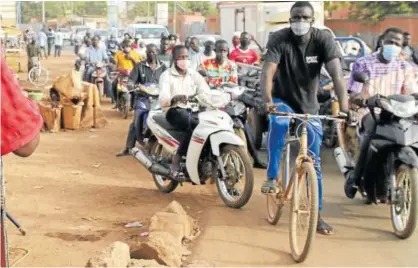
(164, 184)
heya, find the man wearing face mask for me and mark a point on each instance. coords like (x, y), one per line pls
(243, 53)
(148, 71)
(389, 74)
(209, 52)
(177, 84)
(125, 61)
(195, 56)
(222, 70)
(235, 41)
(113, 45)
(293, 61)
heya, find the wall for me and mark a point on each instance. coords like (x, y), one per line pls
(188, 24)
(369, 33)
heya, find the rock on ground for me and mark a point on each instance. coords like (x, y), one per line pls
(178, 225)
(162, 247)
(174, 207)
(115, 255)
(133, 263)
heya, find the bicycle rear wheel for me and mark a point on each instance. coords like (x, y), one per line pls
(306, 184)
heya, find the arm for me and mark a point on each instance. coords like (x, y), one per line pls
(409, 84)
(332, 58)
(21, 121)
(270, 66)
(233, 75)
(334, 69)
(165, 92)
(135, 75)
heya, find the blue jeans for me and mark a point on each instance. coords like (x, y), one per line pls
(278, 128)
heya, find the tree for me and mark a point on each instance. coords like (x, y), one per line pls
(371, 12)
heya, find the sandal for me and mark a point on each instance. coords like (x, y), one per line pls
(323, 228)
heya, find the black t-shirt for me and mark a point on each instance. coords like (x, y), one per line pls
(297, 78)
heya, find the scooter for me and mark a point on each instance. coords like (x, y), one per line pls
(391, 171)
(215, 152)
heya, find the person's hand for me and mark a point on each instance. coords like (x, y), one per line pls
(179, 98)
(350, 116)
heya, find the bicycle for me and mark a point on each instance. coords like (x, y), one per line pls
(38, 76)
(288, 189)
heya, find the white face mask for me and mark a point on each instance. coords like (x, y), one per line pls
(300, 28)
(183, 64)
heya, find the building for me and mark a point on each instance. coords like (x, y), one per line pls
(8, 13)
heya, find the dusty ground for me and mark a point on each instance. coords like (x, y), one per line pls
(73, 197)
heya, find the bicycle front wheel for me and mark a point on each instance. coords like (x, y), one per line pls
(38, 76)
(303, 212)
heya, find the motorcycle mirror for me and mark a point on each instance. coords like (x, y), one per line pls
(360, 77)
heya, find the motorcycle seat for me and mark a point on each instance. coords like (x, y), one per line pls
(162, 121)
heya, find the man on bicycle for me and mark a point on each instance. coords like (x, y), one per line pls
(297, 54)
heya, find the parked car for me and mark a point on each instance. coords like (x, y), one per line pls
(150, 33)
(66, 33)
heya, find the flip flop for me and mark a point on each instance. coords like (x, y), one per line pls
(323, 228)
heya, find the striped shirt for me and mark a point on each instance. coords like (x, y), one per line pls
(395, 77)
(218, 74)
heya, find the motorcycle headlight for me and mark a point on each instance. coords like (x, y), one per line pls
(400, 109)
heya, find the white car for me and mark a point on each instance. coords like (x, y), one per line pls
(66, 33)
(150, 33)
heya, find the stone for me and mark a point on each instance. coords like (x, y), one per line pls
(115, 255)
(179, 226)
(174, 207)
(133, 263)
(197, 263)
(162, 247)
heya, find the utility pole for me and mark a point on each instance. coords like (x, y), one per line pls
(43, 11)
(148, 14)
(174, 17)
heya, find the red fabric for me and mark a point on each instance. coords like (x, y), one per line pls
(248, 57)
(20, 117)
(134, 45)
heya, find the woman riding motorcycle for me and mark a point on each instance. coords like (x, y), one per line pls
(176, 85)
(148, 71)
(222, 70)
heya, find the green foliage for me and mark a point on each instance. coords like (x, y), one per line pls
(59, 9)
(334, 6)
(372, 12)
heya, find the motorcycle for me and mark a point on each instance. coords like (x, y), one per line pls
(123, 95)
(391, 171)
(215, 152)
(147, 101)
(99, 76)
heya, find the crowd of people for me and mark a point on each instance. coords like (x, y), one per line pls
(290, 77)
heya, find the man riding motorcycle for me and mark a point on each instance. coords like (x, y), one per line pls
(164, 55)
(243, 53)
(300, 51)
(145, 72)
(177, 84)
(125, 60)
(221, 70)
(388, 75)
(113, 45)
(95, 54)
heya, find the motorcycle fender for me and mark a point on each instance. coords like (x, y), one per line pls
(408, 156)
(224, 137)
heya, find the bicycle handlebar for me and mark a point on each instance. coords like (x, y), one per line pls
(341, 117)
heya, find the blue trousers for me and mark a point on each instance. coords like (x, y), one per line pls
(278, 128)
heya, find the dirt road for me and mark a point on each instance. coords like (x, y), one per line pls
(74, 196)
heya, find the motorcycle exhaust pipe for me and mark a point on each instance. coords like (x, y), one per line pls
(150, 165)
(341, 159)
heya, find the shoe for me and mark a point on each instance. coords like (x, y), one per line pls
(124, 152)
(260, 165)
(350, 188)
(269, 187)
(114, 107)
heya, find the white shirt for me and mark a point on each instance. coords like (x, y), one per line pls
(195, 59)
(59, 39)
(102, 45)
(172, 84)
(42, 39)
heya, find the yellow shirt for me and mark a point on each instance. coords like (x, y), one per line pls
(125, 64)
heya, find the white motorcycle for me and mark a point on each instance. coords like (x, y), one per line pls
(215, 152)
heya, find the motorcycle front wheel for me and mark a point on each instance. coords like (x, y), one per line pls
(403, 210)
(238, 168)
